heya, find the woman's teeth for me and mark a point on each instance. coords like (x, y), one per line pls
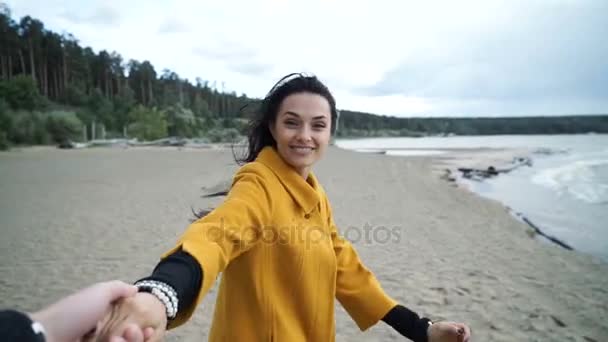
(302, 149)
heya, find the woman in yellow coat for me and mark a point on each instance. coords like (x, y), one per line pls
(275, 243)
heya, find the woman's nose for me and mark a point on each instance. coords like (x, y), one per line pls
(304, 134)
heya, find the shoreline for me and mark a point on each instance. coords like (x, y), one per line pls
(454, 165)
(487, 163)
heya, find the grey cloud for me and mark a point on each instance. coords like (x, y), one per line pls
(236, 57)
(173, 25)
(103, 15)
(251, 68)
(224, 51)
(557, 55)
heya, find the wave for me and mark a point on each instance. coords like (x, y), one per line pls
(585, 180)
(414, 152)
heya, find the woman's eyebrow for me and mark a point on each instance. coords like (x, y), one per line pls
(318, 117)
(292, 113)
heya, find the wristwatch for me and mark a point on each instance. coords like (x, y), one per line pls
(38, 330)
(19, 326)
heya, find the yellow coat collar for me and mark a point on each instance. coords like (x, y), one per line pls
(305, 192)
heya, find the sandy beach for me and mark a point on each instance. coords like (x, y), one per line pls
(69, 218)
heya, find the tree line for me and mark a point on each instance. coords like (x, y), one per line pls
(53, 89)
(356, 124)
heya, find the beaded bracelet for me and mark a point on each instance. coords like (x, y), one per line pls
(165, 293)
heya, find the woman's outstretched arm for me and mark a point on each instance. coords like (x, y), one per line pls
(360, 293)
(357, 289)
(200, 255)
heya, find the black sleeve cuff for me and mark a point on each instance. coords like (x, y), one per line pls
(182, 272)
(16, 326)
(407, 323)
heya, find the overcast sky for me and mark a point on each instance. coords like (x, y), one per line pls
(404, 58)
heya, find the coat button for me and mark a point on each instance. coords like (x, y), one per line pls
(307, 216)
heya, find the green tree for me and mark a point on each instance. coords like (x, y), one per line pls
(124, 102)
(10, 49)
(32, 31)
(63, 126)
(200, 107)
(5, 125)
(20, 93)
(181, 122)
(101, 108)
(75, 95)
(28, 128)
(4, 142)
(147, 123)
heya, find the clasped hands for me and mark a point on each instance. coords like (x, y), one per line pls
(114, 311)
(106, 311)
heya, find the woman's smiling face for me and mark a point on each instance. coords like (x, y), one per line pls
(302, 130)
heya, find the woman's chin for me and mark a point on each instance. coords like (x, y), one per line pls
(301, 163)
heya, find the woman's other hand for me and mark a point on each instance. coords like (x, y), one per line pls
(449, 332)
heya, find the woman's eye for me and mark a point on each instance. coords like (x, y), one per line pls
(319, 125)
(290, 123)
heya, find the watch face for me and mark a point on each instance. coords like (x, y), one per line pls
(37, 328)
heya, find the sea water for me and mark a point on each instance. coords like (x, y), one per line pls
(565, 192)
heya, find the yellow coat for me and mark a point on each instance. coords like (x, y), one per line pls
(281, 258)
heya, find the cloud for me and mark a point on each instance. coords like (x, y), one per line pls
(172, 26)
(103, 15)
(236, 57)
(552, 57)
(224, 51)
(252, 68)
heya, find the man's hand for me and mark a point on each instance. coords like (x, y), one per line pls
(72, 317)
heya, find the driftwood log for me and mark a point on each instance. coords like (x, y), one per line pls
(541, 233)
(491, 171)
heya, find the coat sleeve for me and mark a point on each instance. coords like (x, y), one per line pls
(227, 232)
(16, 326)
(357, 289)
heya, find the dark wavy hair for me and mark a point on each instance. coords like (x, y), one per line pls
(259, 135)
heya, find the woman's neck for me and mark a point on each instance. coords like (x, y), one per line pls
(304, 173)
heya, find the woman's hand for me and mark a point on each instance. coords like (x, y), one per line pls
(141, 316)
(449, 332)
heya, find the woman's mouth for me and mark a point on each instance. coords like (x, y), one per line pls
(302, 149)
